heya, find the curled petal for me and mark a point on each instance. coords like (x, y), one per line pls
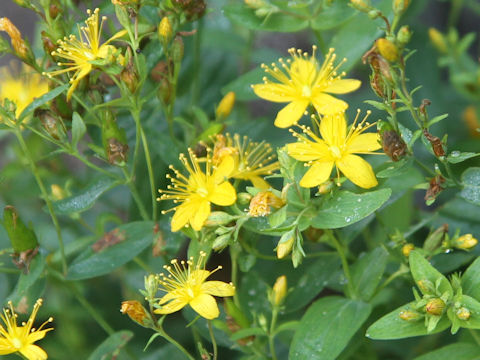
(206, 306)
(357, 171)
(291, 113)
(218, 288)
(318, 173)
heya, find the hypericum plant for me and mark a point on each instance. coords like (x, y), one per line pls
(151, 130)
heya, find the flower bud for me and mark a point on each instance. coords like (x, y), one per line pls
(279, 291)
(284, 248)
(463, 313)
(465, 242)
(151, 286)
(387, 49)
(438, 40)
(57, 192)
(23, 238)
(426, 286)
(165, 31)
(244, 198)
(435, 306)
(217, 218)
(52, 124)
(177, 50)
(361, 5)
(407, 248)
(135, 311)
(404, 35)
(409, 315)
(326, 187)
(47, 42)
(470, 117)
(393, 145)
(435, 239)
(373, 14)
(114, 140)
(225, 106)
(399, 6)
(129, 76)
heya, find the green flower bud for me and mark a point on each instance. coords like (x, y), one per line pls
(463, 313)
(435, 306)
(404, 35)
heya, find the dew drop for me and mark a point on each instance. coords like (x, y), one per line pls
(455, 153)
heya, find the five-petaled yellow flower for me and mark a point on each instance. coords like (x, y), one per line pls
(14, 338)
(81, 52)
(252, 160)
(302, 82)
(185, 285)
(23, 89)
(198, 190)
(337, 148)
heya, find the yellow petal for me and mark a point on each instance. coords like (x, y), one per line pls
(274, 92)
(333, 129)
(326, 104)
(116, 36)
(201, 215)
(357, 171)
(308, 152)
(223, 194)
(33, 352)
(318, 173)
(171, 307)
(364, 143)
(37, 335)
(224, 169)
(303, 71)
(183, 214)
(343, 86)
(259, 182)
(291, 113)
(85, 70)
(218, 288)
(206, 306)
(198, 276)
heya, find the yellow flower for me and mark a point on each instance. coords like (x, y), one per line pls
(20, 339)
(185, 285)
(81, 52)
(198, 190)
(23, 89)
(303, 82)
(337, 148)
(251, 159)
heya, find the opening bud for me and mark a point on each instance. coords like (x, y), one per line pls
(387, 49)
(399, 6)
(466, 242)
(407, 248)
(285, 247)
(435, 306)
(361, 5)
(279, 291)
(438, 40)
(463, 313)
(165, 31)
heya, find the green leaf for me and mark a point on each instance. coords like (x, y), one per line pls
(78, 129)
(334, 14)
(134, 238)
(471, 185)
(437, 119)
(85, 199)
(367, 272)
(395, 168)
(246, 17)
(42, 100)
(242, 85)
(314, 279)
(327, 327)
(252, 292)
(456, 156)
(391, 326)
(110, 348)
(278, 217)
(422, 270)
(458, 351)
(346, 208)
(471, 280)
(28, 280)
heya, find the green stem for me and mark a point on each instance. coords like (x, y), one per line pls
(346, 268)
(151, 176)
(45, 196)
(212, 337)
(450, 172)
(424, 167)
(197, 62)
(135, 195)
(271, 333)
(233, 259)
(321, 43)
(174, 342)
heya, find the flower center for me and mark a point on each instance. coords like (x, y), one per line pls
(17, 343)
(190, 293)
(202, 192)
(335, 152)
(306, 91)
